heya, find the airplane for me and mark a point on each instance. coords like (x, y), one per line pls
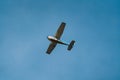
(56, 39)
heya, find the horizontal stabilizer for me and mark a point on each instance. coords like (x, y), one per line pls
(70, 46)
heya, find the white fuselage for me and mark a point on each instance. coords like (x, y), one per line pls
(53, 39)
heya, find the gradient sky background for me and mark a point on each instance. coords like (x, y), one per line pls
(25, 25)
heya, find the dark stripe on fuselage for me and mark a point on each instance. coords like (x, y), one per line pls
(58, 41)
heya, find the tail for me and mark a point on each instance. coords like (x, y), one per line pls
(70, 46)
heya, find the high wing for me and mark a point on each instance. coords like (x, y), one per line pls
(51, 47)
(60, 30)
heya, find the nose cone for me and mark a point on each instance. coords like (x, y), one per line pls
(47, 37)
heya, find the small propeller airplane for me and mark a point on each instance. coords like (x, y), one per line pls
(56, 39)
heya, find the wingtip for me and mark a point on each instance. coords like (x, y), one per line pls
(63, 23)
(48, 53)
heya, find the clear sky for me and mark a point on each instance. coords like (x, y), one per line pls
(93, 24)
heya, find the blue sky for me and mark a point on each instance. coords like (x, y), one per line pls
(94, 24)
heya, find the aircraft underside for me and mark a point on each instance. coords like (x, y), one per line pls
(56, 39)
